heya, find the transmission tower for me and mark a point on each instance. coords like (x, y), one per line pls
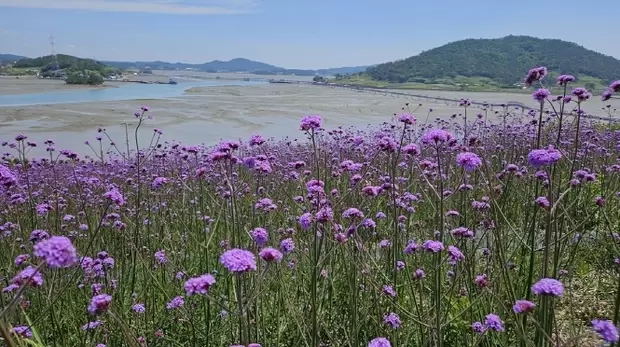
(54, 57)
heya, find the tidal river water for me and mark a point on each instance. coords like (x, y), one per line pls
(126, 91)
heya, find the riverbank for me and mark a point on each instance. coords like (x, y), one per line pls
(32, 85)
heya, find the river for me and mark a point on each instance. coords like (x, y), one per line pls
(126, 91)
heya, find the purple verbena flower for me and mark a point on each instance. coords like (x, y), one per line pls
(606, 330)
(548, 287)
(199, 285)
(58, 252)
(238, 260)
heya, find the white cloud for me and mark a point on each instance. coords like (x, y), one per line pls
(192, 7)
(71, 46)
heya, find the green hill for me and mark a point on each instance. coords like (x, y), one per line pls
(501, 62)
(67, 63)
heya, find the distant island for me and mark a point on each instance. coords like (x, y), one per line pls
(71, 69)
(483, 64)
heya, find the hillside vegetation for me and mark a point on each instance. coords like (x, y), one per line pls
(68, 63)
(9, 58)
(501, 61)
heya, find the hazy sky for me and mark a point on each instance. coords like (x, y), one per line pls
(290, 33)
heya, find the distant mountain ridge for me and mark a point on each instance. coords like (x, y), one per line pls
(234, 65)
(503, 60)
(9, 58)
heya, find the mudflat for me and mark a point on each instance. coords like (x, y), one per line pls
(28, 85)
(205, 115)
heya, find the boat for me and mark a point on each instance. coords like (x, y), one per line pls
(171, 81)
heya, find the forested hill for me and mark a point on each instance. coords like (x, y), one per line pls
(504, 60)
(64, 62)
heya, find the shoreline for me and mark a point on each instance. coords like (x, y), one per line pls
(33, 85)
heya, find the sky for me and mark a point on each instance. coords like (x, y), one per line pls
(305, 34)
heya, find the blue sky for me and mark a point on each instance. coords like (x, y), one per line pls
(289, 33)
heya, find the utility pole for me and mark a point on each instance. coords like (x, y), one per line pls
(54, 56)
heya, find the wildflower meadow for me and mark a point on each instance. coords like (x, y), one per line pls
(493, 227)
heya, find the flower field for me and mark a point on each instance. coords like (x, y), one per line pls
(495, 227)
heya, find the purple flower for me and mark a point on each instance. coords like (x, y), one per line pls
(138, 308)
(99, 304)
(22, 331)
(379, 342)
(257, 140)
(462, 232)
(541, 95)
(436, 136)
(544, 157)
(407, 118)
(478, 328)
(238, 260)
(115, 196)
(607, 94)
(158, 182)
(615, 86)
(28, 276)
(43, 209)
(311, 123)
(352, 212)
(468, 160)
(606, 330)
(482, 281)
(20, 259)
(387, 144)
(160, 257)
(419, 274)
(411, 149)
(433, 246)
(389, 291)
(565, 79)
(287, 246)
(58, 252)
(260, 236)
(582, 94)
(493, 322)
(305, 220)
(270, 254)
(535, 74)
(7, 177)
(392, 320)
(549, 287)
(454, 255)
(199, 285)
(92, 325)
(38, 235)
(542, 202)
(523, 306)
(411, 247)
(325, 214)
(176, 302)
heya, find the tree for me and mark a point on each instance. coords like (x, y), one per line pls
(84, 77)
(95, 78)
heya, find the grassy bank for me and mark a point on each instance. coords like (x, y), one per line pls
(460, 84)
